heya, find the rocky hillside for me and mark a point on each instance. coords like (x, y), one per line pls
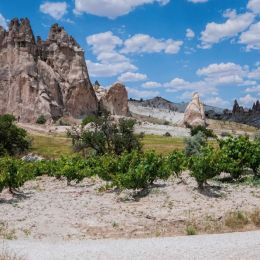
(242, 115)
(40, 77)
(161, 103)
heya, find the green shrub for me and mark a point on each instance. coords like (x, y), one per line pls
(205, 165)
(14, 173)
(41, 120)
(13, 140)
(207, 132)
(177, 162)
(167, 134)
(138, 171)
(194, 144)
(89, 119)
(257, 136)
(236, 155)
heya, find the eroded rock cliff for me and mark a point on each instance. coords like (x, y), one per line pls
(47, 78)
(113, 100)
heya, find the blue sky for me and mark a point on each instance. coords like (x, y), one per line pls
(170, 48)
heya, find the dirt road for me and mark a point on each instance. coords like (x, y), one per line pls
(221, 246)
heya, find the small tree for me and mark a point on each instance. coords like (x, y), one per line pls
(205, 165)
(13, 140)
(105, 136)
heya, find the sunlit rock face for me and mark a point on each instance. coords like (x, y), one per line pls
(113, 100)
(39, 77)
(194, 114)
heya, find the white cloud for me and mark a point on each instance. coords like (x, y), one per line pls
(251, 37)
(56, 10)
(135, 93)
(255, 89)
(111, 8)
(247, 100)
(217, 102)
(220, 69)
(190, 34)
(151, 84)
(235, 24)
(254, 5)
(198, 1)
(110, 61)
(3, 22)
(132, 77)
(143, 43)
(255, 74)
(97, 69)
(103, 42)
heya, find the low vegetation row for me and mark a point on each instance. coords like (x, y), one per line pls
(112, 152)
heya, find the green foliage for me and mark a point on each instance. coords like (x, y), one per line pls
(89, 119)
(41, 120)
(205, 165)
(254, 158)
(106, 137)
(138, 171)
(194, 144)
(13, 140)
(257, 136)
(236, 155)
(207, 132)
(177, 162)
(14, 173)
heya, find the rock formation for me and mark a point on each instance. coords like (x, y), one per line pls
(194, 114)
(114, 100)
(47, 78)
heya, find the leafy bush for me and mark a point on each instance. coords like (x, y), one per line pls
(194, 144)
(14, 173)
(138, 171)
(167, 134)
(41, 120)
(257, 136)
(207, 132)
(236, 155)
(89, 119)
(205, 165)
(13, 140)
(106, 137)
(177, 162)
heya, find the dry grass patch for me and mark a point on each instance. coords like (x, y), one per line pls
(236, 220)
(255, 217)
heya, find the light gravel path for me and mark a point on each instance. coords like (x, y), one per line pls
(220, 246)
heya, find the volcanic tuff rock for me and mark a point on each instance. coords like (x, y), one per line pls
(194, 114)
(47, 78)
(114, 100)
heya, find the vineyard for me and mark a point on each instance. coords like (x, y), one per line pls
(95, 188)
(136, 169)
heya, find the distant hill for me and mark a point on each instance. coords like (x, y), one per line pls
(159, 102)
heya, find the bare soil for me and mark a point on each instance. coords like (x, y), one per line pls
(47, 208)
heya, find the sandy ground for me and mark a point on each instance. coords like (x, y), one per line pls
(48, 209)
(222, 246)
